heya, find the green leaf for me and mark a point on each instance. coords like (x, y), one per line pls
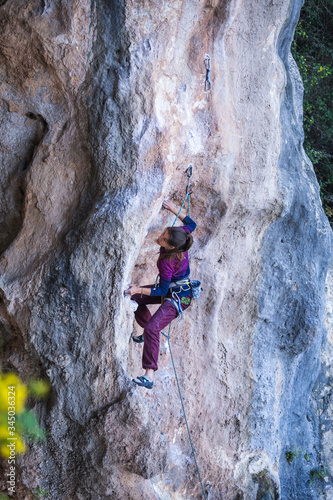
(29, 426)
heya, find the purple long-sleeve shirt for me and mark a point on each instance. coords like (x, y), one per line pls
(173, 270)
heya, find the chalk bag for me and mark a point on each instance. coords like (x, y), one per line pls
(196, 288)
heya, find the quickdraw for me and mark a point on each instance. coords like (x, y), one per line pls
(208, 85)
(189, 191)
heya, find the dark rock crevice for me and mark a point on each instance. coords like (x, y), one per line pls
(16, 352)
(28, 131)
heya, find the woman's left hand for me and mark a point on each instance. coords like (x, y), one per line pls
(132, 290)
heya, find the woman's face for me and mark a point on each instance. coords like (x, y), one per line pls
(163, 239)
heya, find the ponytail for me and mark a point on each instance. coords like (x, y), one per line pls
(189, 242)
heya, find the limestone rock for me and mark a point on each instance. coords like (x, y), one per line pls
(103, 108)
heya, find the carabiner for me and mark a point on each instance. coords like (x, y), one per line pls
(189, 171)
(208, 85)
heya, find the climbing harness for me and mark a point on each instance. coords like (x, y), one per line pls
(176, 287)
(208, 85)
(184, 285)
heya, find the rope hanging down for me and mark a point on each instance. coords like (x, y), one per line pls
(183, 408)
(189, 191)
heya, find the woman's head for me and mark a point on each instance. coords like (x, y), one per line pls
(175, 241)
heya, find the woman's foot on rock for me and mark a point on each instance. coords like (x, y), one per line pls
(143, 382)
(138, 339)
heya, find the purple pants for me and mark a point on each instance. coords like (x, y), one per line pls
(152, 325)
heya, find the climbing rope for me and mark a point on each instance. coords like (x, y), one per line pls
(189, 191)
(183, 408)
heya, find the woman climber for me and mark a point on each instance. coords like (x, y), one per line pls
(173, 290)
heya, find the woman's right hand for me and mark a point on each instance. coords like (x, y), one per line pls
(168, 205)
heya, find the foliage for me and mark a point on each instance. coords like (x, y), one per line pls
(297, 453)
(312, 49)
(18, 424)
(292, 454)
(317, 474)
(40, 493)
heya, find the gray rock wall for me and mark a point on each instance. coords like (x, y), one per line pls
(290, 331)
(322, 394)
(103, 106)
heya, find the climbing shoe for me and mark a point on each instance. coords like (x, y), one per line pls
(143, 382)
(138, 339)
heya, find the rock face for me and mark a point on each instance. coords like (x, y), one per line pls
(103, 108)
